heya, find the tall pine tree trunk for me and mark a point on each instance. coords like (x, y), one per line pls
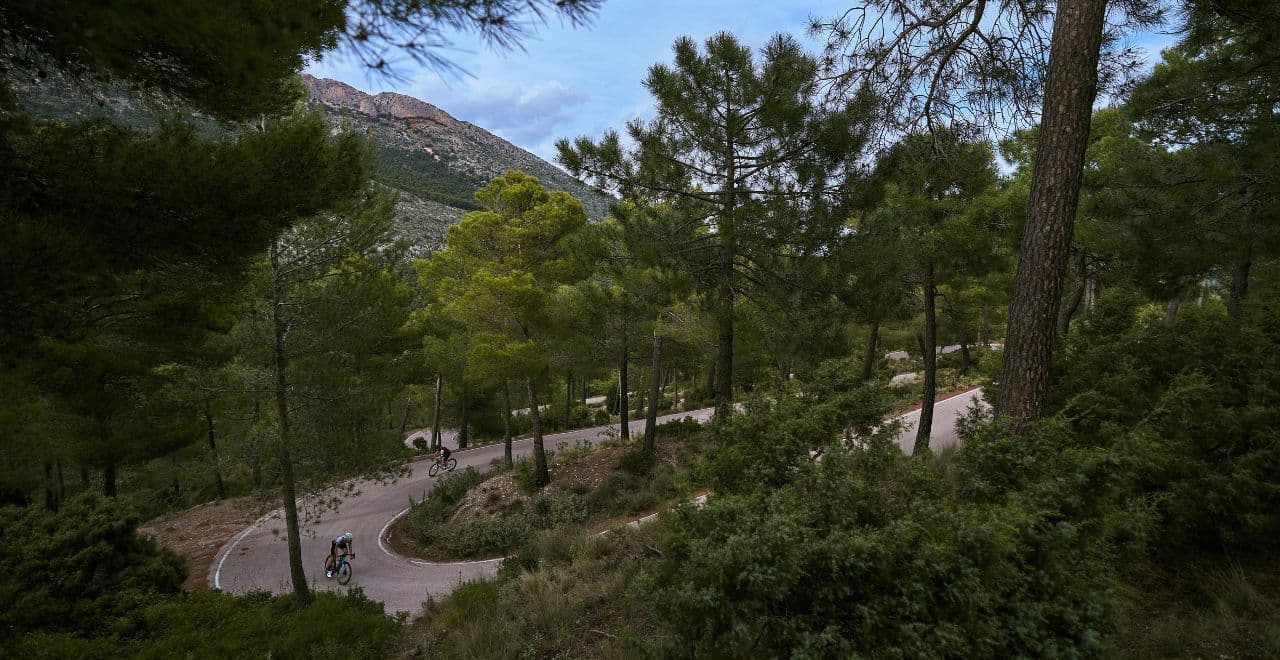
(1070, 88)
(255, 452)
(213, 449)
(1171, 311)
(541, 476)
(84, 478)
(408, 406)
(624, 407)
(984, 330)
(1077, 295)
(869, 358)
(724, 359)
(568, 399)
(964, 353)
(930, 353)
(464, 436)
(506, 424)
(50, 498)
(61, 483)
(109, 479)
(1239, 285)
(655, 368)
(288, 491)
(711, 378)
(435, 416)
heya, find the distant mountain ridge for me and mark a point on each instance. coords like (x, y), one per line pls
(435, 161)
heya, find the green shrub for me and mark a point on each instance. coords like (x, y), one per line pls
(682, 428)
(83, 569)
(1195, 407)
(761, 448)
(526, 476)
(209, 624)
(441, 501)
(864, 552)
(482, 537)
(637, 461)
(605, 496)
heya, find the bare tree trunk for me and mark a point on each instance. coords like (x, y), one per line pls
(655, 368)
(61, 483)
(1064, 319)
(869, 359)
(408, 406)
(506, 424)
(288, 492)
(568, 399)
(724, 360)
(624, 407)
(177, 487)
(984, 330)
(640, 397)
(50, 499)
(435, 416)
(711, 378)
(1171, 311)
(255, 452)
(109, 479)
(464, 435)
(1070, 88)
(930, 350)
(964, 353)
(726, 231)
(1239, 278)
(541, 476)
(213, 449)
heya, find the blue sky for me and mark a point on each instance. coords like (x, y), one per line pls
(568, 82)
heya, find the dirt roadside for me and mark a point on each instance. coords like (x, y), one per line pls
(198, 533)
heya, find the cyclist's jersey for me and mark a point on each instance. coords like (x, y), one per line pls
(342, 541)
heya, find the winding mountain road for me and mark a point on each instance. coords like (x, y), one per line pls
(256, 559)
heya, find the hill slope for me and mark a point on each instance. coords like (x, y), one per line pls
(435, 162)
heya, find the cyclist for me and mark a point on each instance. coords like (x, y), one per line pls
(442, 456)
(342, 543)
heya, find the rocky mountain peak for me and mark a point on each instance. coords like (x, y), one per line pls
(400, 106)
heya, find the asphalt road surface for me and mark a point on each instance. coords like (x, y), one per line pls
(257, 558)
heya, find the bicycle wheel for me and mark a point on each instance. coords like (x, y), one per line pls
(450, 464)
(433, 470)
(344, 573)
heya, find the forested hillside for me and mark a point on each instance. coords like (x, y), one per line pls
(907, 347)
(433, 160)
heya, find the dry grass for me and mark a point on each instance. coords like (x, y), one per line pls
(1214, 607)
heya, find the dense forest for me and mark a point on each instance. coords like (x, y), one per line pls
(211, 306)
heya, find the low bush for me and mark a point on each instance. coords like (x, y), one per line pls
(682, 428)
(210, 624)
(479, 537)
(866, 550)
(637, 461)
(1195, 406)
(566, 594)
(81, 570)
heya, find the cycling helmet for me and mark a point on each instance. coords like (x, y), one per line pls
(348, 537)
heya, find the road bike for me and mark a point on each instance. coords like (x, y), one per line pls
(341, 569)
(447, 465)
